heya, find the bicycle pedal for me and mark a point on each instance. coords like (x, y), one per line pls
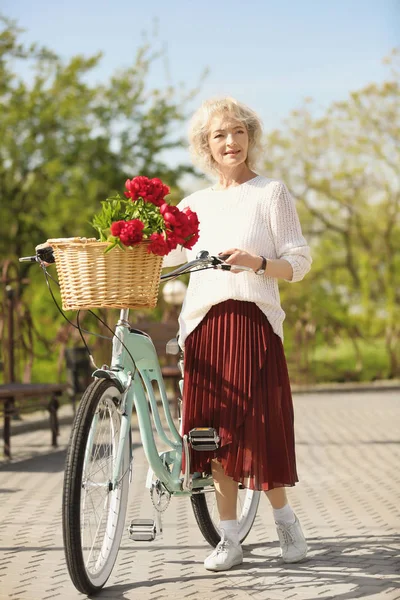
(142, 530)
(204, 438)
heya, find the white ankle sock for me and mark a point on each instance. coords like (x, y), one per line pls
(231, 530)
(284, 515)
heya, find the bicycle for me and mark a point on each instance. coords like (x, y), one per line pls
(98, 466)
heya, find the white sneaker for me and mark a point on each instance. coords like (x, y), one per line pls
(225, 556)
(292, 541)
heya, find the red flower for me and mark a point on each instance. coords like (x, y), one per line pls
(182, 227)
(191, 241)
(192, 218)
(132, 232)
(151, 190)
(145, 200)
(117, 227)
(158, 245)
(172, 240)
(192, 227)
(170, 213)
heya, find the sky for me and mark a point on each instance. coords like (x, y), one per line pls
(270, 55)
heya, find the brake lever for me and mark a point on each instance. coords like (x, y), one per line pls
(218, 262)
(223, 257)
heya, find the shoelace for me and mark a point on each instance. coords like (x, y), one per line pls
(287, 535)
(223, 544)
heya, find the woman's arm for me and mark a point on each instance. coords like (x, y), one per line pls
(276, 267)
(291, 247)
(279, 268)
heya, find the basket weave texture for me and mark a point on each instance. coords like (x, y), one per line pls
(89, 278)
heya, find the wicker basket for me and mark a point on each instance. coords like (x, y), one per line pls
(89, 278)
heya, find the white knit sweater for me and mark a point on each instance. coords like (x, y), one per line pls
(258, 216)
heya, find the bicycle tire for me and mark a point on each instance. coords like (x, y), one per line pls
(90, 569)
(207, 525)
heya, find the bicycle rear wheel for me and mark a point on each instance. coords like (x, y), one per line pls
(93, 511)
(206, 513)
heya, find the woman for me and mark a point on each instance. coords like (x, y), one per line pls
(236, 378)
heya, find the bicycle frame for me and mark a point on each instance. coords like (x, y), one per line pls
(137, 384)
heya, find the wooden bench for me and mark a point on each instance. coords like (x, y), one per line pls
(11, 393)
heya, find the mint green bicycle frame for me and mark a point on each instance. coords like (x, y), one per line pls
(137, 386)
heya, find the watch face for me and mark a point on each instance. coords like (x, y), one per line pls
(263, 266)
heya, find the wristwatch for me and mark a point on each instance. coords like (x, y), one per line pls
(261, 270)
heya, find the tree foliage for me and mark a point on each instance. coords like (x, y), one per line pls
(66, 143)
(343, 168)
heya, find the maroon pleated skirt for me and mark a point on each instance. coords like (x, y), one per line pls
(236, 380)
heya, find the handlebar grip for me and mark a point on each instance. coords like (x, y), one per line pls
(235, 268)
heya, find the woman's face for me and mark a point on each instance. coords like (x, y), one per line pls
(228, 140)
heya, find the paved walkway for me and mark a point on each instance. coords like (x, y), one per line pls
(348, 502)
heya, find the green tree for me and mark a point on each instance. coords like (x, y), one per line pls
(343, 167)
(65, 143)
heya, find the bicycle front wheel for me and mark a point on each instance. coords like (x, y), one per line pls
(93, 509)
(205, 510)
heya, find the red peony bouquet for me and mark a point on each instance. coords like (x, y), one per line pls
(143, 214)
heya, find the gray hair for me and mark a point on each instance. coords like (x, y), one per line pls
(199, 130)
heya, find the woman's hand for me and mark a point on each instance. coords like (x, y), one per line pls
(242, 258)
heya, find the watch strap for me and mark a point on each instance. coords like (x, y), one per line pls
(261, 270)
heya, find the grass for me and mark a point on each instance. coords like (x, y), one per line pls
(339, 363)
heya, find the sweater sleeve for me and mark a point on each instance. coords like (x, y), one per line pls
(286, 229)
(178, 256)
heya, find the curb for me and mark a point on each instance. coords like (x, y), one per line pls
(340, 388)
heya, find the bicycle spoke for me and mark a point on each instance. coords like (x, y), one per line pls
(95, 537)
(100, 503)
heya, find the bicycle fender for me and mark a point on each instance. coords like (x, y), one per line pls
(106, 374)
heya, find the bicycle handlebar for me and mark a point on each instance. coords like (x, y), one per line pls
(45, 255)
(28, 259)
(202, 261)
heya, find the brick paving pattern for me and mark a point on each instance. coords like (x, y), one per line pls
(347, 500)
